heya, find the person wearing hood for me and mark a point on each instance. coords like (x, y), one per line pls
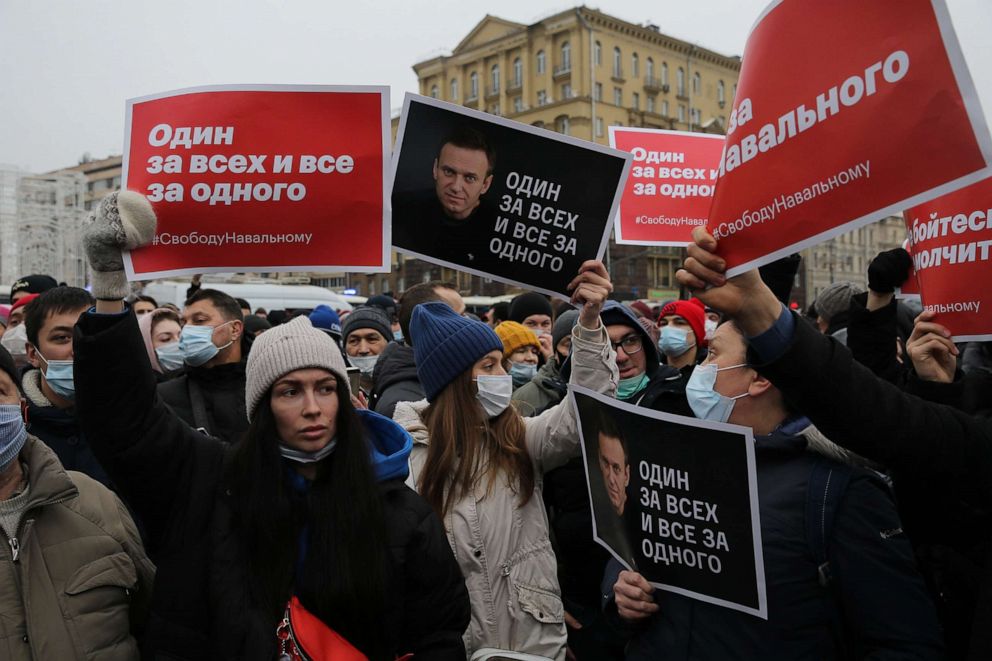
(548, 386)
(160, 329)
(366, 332)
(305, 525)
(855, 592)
(480, 464)
(683, 334)
(76, 579)
(521, 352)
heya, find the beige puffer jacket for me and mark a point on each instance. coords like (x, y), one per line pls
(81, 579)
(504, 550)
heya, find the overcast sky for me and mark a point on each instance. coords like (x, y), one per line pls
(66, 66)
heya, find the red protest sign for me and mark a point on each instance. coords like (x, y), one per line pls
(952, 256)
(670, 187)
(261, 178)
(846, 112)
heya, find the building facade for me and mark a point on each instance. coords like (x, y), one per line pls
(41, 222)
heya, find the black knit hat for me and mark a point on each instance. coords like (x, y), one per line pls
(33, 284)
(527, 304)
(367, 317)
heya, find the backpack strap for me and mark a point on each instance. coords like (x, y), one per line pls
(200, 416)
(827, 483)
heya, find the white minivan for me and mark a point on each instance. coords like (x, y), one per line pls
(270, 297)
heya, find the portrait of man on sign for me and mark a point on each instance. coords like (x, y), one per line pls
(454, 220)
(614, 464)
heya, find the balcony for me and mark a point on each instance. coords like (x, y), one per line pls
(492, 92)
(652, 84)
(563, 71)
(472, 99)
(618, 76)
(514, 86)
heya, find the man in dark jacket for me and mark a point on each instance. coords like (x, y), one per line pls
(210, 396)
(49, 386)
(874, 606)
(547, 388)
(854, 408)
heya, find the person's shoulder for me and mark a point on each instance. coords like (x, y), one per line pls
(94, 501)
(174, 389)
(405, 509)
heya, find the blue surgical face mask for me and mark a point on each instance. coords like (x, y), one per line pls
(197, 344)
(630, 386)
(522, 373)
(674, 341)
(398, 335)
(706, 402)
(58, 374)
(301, 457)
(12, 434)
(170, 356)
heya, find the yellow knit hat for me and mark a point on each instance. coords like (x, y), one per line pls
(516, 336)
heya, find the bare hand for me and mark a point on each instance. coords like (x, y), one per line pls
(934, 355)
(634, 596)
(590, 289)
(744, 298)
(546, 349)
(359, 401)
(572, 622)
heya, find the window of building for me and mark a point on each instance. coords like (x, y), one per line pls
(494, 77)
(649, 68)
(542, 98)
(434, 91)
(518, 72)
(680, 81)
(697, 116)
(721, 92)
(454, 89)
(473, 85)
(617, 63)
(518, 104)
(542, 62)
(635, 66)
(561, 124)
(566, 91)
(650, 103)
(598, 92)
(637, 101)
(598, 53)
(664, 108)
(697, 83)
(681, 112)
(599, 127)
(617, 96)
(566, 56)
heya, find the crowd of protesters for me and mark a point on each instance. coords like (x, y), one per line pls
(405, 479)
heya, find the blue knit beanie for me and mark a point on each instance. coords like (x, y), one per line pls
(326, 320)
(447, 344)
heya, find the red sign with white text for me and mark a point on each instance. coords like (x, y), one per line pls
(670, 187)
(911, 288)
(952, 256)
(261, 178)
(846, 112)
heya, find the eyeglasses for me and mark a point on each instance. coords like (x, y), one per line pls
(631, 344)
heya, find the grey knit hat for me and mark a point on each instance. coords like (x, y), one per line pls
(293, 346)
(367, 317)
(836, 299)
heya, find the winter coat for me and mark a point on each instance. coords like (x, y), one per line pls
(211, 399)
(503, 549)
(875, 607)
(543, 391)
(395, 378)
(173, 476)
(948, 448)
(59, 430)
(79, 585)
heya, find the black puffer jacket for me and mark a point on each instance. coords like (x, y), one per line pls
(395, 379)
(173, 477)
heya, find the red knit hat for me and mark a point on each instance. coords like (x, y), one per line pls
(23, 301)
(692, 311)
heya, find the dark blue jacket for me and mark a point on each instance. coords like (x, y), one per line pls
(876, 607)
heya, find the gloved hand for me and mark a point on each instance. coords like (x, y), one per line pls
(889, 270)
(124, 220)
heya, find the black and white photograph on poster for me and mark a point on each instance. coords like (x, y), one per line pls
(675, 499)
(500, 199)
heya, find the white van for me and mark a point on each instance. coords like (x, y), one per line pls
(270, 297)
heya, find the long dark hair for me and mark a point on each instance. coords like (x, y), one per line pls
(344, 575)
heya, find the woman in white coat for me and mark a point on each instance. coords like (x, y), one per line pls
(481, 465)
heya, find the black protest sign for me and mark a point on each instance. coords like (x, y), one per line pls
(675, 499)
(501, 199)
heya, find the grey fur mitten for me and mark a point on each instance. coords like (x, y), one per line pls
(123, 221)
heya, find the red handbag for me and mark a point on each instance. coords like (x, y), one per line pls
(303, 637)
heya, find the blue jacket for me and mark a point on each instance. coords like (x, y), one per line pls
(876, 607)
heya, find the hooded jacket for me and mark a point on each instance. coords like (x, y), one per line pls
(173, 477)
(79, 585)
(395, 379)
(503, 549)
(876, 606)
(59, 431)
(546, 389)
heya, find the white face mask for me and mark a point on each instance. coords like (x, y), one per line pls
(710, 327)
(494, 393)
(15, 339)
(365, 364)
